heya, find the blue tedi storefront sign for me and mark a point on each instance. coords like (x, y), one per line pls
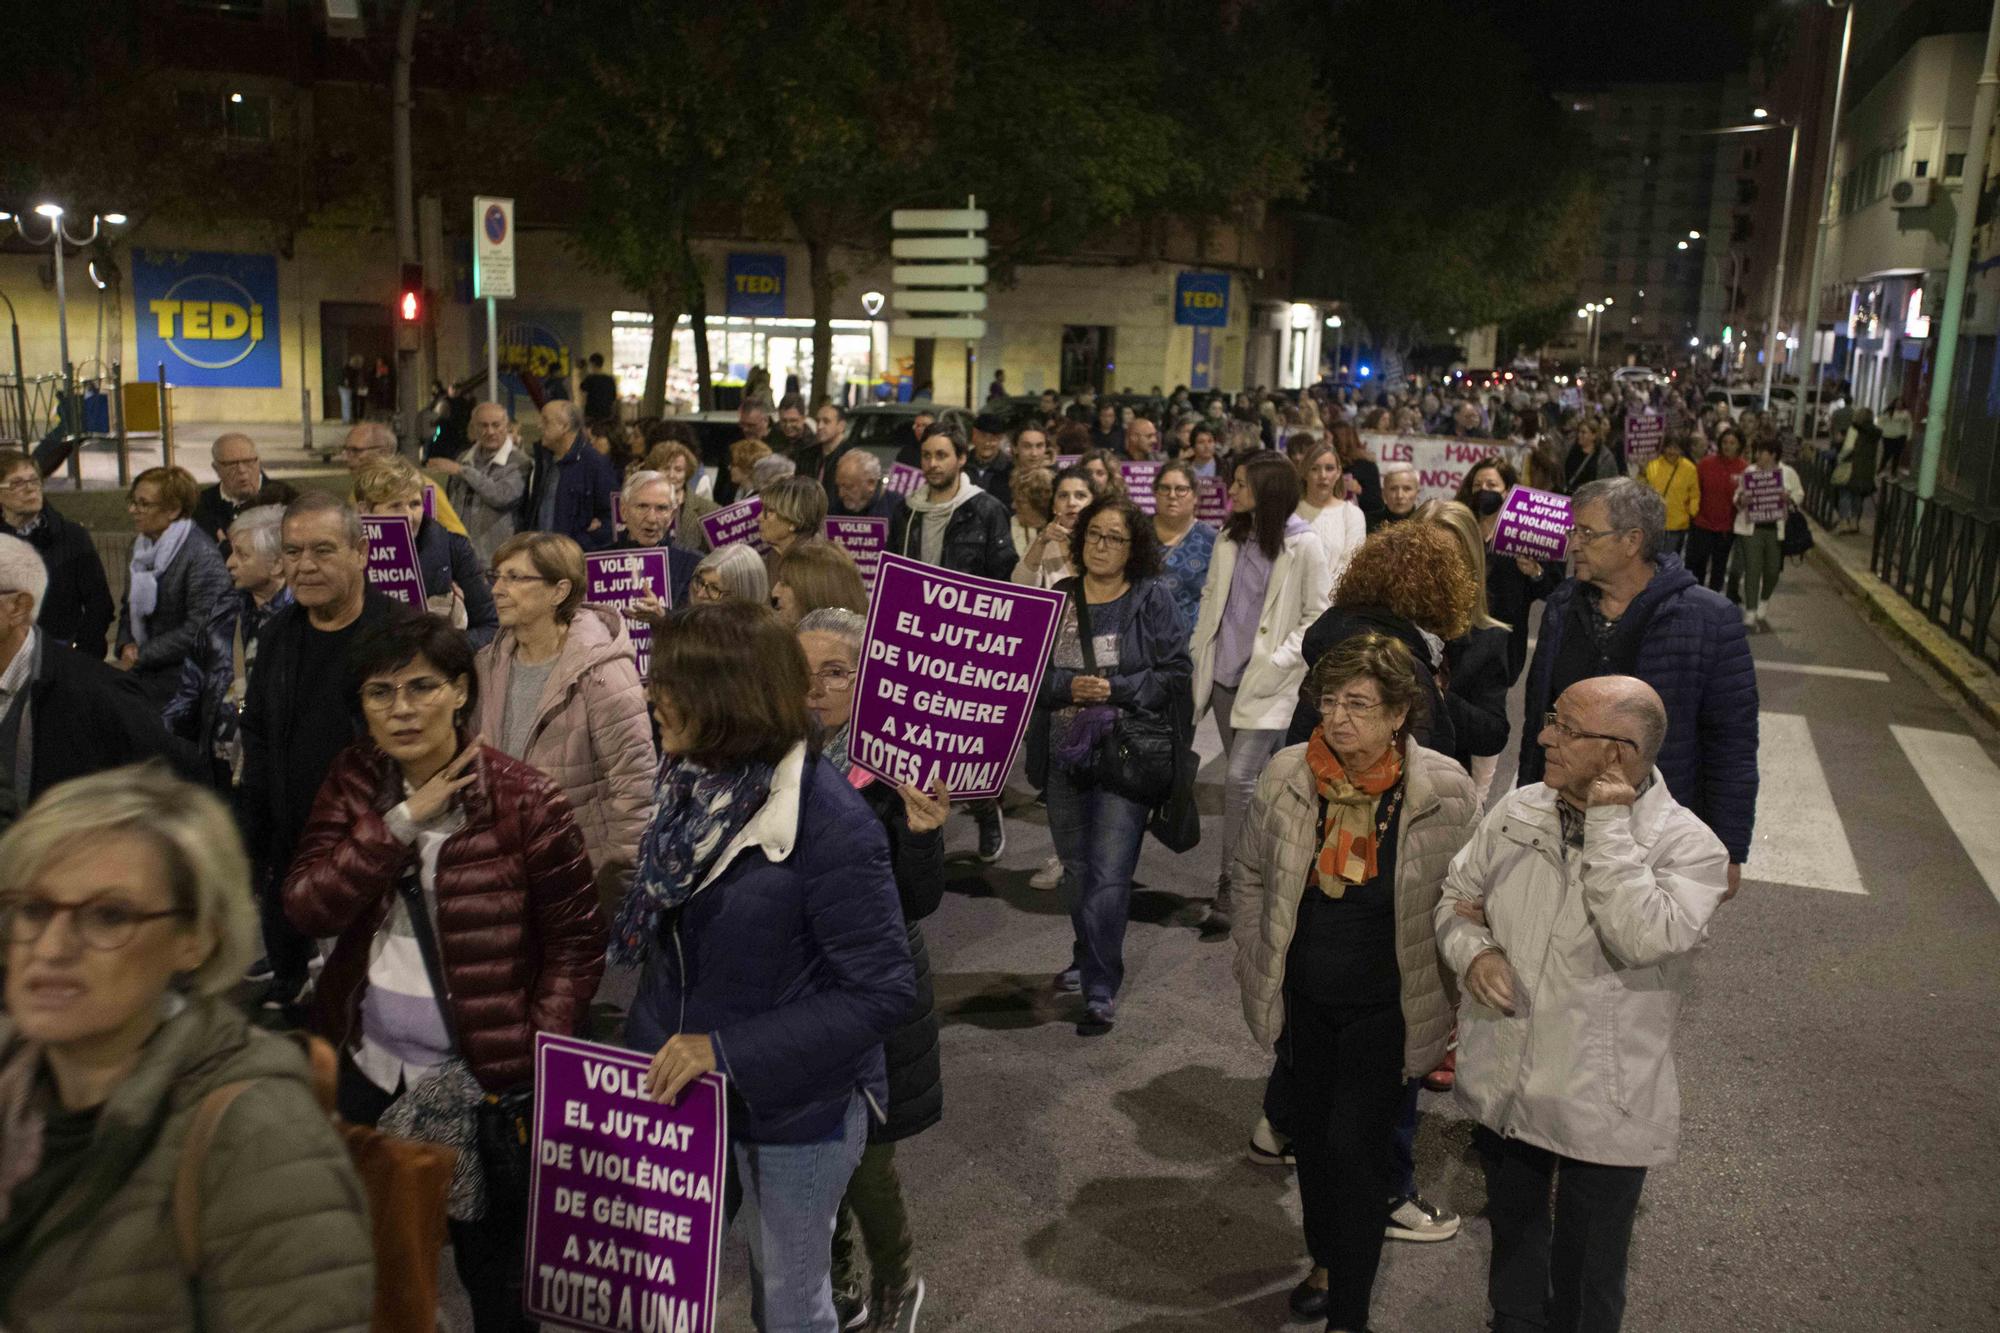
(1202, 299)
(756, 286)
(211, 318)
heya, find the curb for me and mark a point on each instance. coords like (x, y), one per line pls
(1887, 608)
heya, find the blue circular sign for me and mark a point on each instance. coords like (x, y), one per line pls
(496, 224)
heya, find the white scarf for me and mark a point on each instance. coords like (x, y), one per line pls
(150, 556)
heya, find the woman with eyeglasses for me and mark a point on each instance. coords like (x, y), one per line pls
(177, 575)
(1267, 582)
(874, 1221)
(457, 887)
(559, 689)
(1120, 650)
(77, 609)
(126, 917)
(764, 919)
(455, 582)
(730, 573)
(1341, 863)
(794, 511)
(1188, 545)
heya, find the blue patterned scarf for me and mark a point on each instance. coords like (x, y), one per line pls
(696, 813)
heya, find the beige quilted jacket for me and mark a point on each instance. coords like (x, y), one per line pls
(1440, 812)
(592, 737)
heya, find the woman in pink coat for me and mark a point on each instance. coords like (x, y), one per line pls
(559, 689)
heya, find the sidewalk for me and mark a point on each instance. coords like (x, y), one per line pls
(278, 443)
(1845, 560)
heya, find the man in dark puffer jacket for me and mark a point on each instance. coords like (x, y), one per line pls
(1633, 610)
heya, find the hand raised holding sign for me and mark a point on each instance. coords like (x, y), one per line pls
(926, 812)
(685, 1058)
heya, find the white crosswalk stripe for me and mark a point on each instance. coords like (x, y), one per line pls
(1800, 839)
(1815, 669)
(1965, 784)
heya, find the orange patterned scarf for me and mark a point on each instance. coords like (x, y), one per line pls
(1349, 835)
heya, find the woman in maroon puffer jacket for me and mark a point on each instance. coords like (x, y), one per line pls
(417, 818)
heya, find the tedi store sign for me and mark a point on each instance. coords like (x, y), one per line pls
(211, 318)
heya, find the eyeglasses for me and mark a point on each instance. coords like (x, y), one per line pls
(1173, 492)
(103, 924)
(23, 485)
(1095, 538)
(833, 679)
(706, 588)
(1331, 705)
(1582, 536)
(1569, 733)
(496, 578)
(380, 696)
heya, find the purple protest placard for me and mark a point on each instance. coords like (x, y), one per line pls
(1533, 523)
(392, 558)
(1139, 478)
(1211, 501)
(1064, 462)
(1764, 496)
(737, 523)
(863, 538)
(903, 479)
(949, 671)
(430, 501)
(625, 1203)
(624, 579)
(1643, 433)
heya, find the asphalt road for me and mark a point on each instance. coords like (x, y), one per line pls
(1837, 1059)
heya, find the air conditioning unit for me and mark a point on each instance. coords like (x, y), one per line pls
(1912, 192)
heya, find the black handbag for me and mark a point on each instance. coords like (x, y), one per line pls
(1798, 538)
(502, 1121)
(1136, 760)
(1177, 821)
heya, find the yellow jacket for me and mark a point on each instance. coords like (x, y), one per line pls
(1676, 481)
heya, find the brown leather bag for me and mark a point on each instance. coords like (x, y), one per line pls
(405, 1182)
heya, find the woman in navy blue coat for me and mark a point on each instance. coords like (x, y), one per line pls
(765, 916)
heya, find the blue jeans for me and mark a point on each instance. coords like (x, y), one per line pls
(1097, 834)
(794, 1191)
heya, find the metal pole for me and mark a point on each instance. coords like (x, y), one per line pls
(305, 394)
(492, 350)
(1970, 190)
(71, 415)
(406, 216)
(1825, 214)
(1778, 284)
(118, 426)
(166, 420)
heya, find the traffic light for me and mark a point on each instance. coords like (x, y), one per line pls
(410, 297)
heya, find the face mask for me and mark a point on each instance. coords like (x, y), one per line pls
(1487, 503)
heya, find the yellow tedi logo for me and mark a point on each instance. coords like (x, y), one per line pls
(186, 320)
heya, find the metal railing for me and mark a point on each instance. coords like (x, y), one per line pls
(1822, 496)
(1943, 557)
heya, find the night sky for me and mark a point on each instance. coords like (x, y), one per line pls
(1580, 43)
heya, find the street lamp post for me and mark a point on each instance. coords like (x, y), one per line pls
(71, 415)
(1825, 221)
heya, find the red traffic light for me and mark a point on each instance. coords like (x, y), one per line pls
(410, 302)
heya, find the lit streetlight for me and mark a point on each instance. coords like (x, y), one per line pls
(55, 236)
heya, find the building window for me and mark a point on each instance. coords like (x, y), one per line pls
(1954, 166)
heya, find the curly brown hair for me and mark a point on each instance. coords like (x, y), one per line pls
(1416, 571)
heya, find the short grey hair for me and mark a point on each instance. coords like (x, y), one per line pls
(190, 836)
(870, 465)
(261, 530)
(22, 570)
(770, 468)
(1629, 503)
(843, 624)
(639, 481)
(569, 411)
(1645, 713)
(326, 502)
(373, 435)
(741, 571)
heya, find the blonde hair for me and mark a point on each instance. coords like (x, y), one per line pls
(191, 835)
(1462, 524)
(384, 480)
(555, 557)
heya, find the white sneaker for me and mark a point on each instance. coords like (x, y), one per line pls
(1749, 619)
(1267, 1149)
(1049, 876)
(1414, 1217)
(1764, 616)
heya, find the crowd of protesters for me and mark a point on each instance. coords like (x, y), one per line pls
(426, 833)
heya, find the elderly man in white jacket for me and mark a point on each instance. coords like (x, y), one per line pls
(1571, 917)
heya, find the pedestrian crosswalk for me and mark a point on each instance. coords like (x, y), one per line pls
(1965, 784)
(1799, 838)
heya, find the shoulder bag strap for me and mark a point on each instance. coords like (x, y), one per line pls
(411, 892)
(1083, 630)
(187, 1177)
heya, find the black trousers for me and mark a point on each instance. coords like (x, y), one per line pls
(289, 951)
(1707, 556)
(489, 1253)
(1565, 1275)
(1347, 1090)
